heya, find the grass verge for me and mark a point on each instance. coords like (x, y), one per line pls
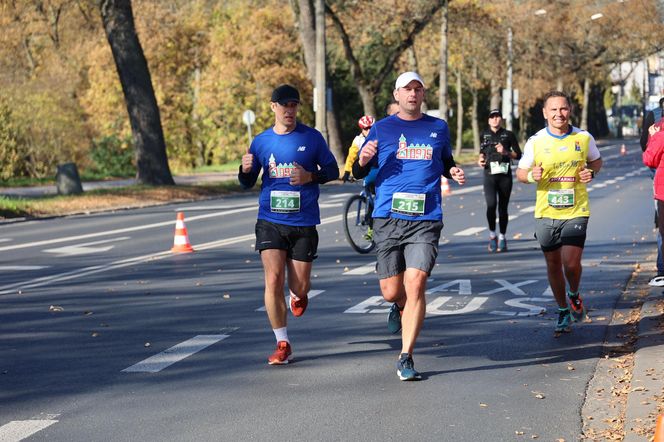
(110, 199)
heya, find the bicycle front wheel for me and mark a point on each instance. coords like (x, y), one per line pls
(357, 224)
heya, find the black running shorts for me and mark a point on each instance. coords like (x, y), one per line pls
(300, 243)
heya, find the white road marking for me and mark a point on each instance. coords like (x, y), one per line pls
(46, 280)
(464, 190)
(528, 209)
(174, 354)
(311, 294)
(433, 308)
(376, 304)
(341, 195)
(19, 430)
(125, 230)
(20, 268)
(329, 205)
(5, 239)
(85, 249)
(470, 231)
(364, 270)
(367, 305)
(220, 207)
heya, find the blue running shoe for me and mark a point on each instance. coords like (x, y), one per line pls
(564, 319)
(577, 309)
(394, 319)
(406, 370)
(502, 245)
(493, 245)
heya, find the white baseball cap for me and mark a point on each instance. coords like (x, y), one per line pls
(406, 78)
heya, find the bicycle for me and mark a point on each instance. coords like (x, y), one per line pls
(358, 222)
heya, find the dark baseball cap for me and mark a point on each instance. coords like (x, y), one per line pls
(493, 112)
(285, 94)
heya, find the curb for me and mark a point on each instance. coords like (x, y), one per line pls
(647, 386)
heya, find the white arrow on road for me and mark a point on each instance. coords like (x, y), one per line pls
(84, 249)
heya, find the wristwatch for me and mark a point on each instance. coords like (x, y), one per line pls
(592, 174)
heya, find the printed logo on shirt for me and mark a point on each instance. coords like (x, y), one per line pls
(413, 151)
(577, 146)
(301, 148)
(433, 135)
(279, 170)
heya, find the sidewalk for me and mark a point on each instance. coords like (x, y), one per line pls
(646, 396)
(37, 191)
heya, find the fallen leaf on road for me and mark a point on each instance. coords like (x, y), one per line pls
(55, 308)
(226, 296)
(147, 344)
(95, 334)
(483, 404)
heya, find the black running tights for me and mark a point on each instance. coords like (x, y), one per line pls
(499, 185)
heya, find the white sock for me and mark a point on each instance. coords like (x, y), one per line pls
(492, 234)
(281, 334)
(501, 236)
(293, 295)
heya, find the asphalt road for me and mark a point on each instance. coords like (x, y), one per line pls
(106, 335)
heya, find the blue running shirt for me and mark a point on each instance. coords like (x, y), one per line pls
(274, 154)
(410, 163)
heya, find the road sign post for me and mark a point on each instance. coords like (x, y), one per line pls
(249, 118)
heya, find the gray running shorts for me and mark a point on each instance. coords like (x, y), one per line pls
(555, 233)
(402, 244)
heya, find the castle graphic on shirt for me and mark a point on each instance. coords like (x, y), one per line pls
(279, 170)
(413, 151)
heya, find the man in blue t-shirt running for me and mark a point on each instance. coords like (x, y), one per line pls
(294, 159)
(411, 150)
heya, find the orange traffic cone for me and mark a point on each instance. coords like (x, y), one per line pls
(623, 150)
(181, 240)
(659, 429)
(445, 186)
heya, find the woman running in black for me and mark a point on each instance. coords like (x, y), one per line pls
(499, 147)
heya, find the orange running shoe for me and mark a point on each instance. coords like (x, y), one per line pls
(298, 305)
(281, 354)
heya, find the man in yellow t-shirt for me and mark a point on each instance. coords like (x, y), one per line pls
(561, 159)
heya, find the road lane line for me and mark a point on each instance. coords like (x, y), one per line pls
(364, 270)
(19, 430)
(341, 195)
(170, 356)
(470, 231)
(20, 268)
(125, 230)
(46, 280)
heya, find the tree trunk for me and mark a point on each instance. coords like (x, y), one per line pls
(443, 94)
(412, 65)
(584, 105)
(473, 120)
(304, 11)
(495, 94)
(459, 131)
(150, 148)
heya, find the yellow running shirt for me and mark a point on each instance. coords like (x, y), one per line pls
(560, 194)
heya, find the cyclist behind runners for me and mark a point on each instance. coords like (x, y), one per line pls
(411, 150)
(365, 123)
(499, 147)
(562, 160)
(295, 160)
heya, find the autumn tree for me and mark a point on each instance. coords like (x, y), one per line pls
(151, 161)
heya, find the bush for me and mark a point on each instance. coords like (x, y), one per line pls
(113, 156)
